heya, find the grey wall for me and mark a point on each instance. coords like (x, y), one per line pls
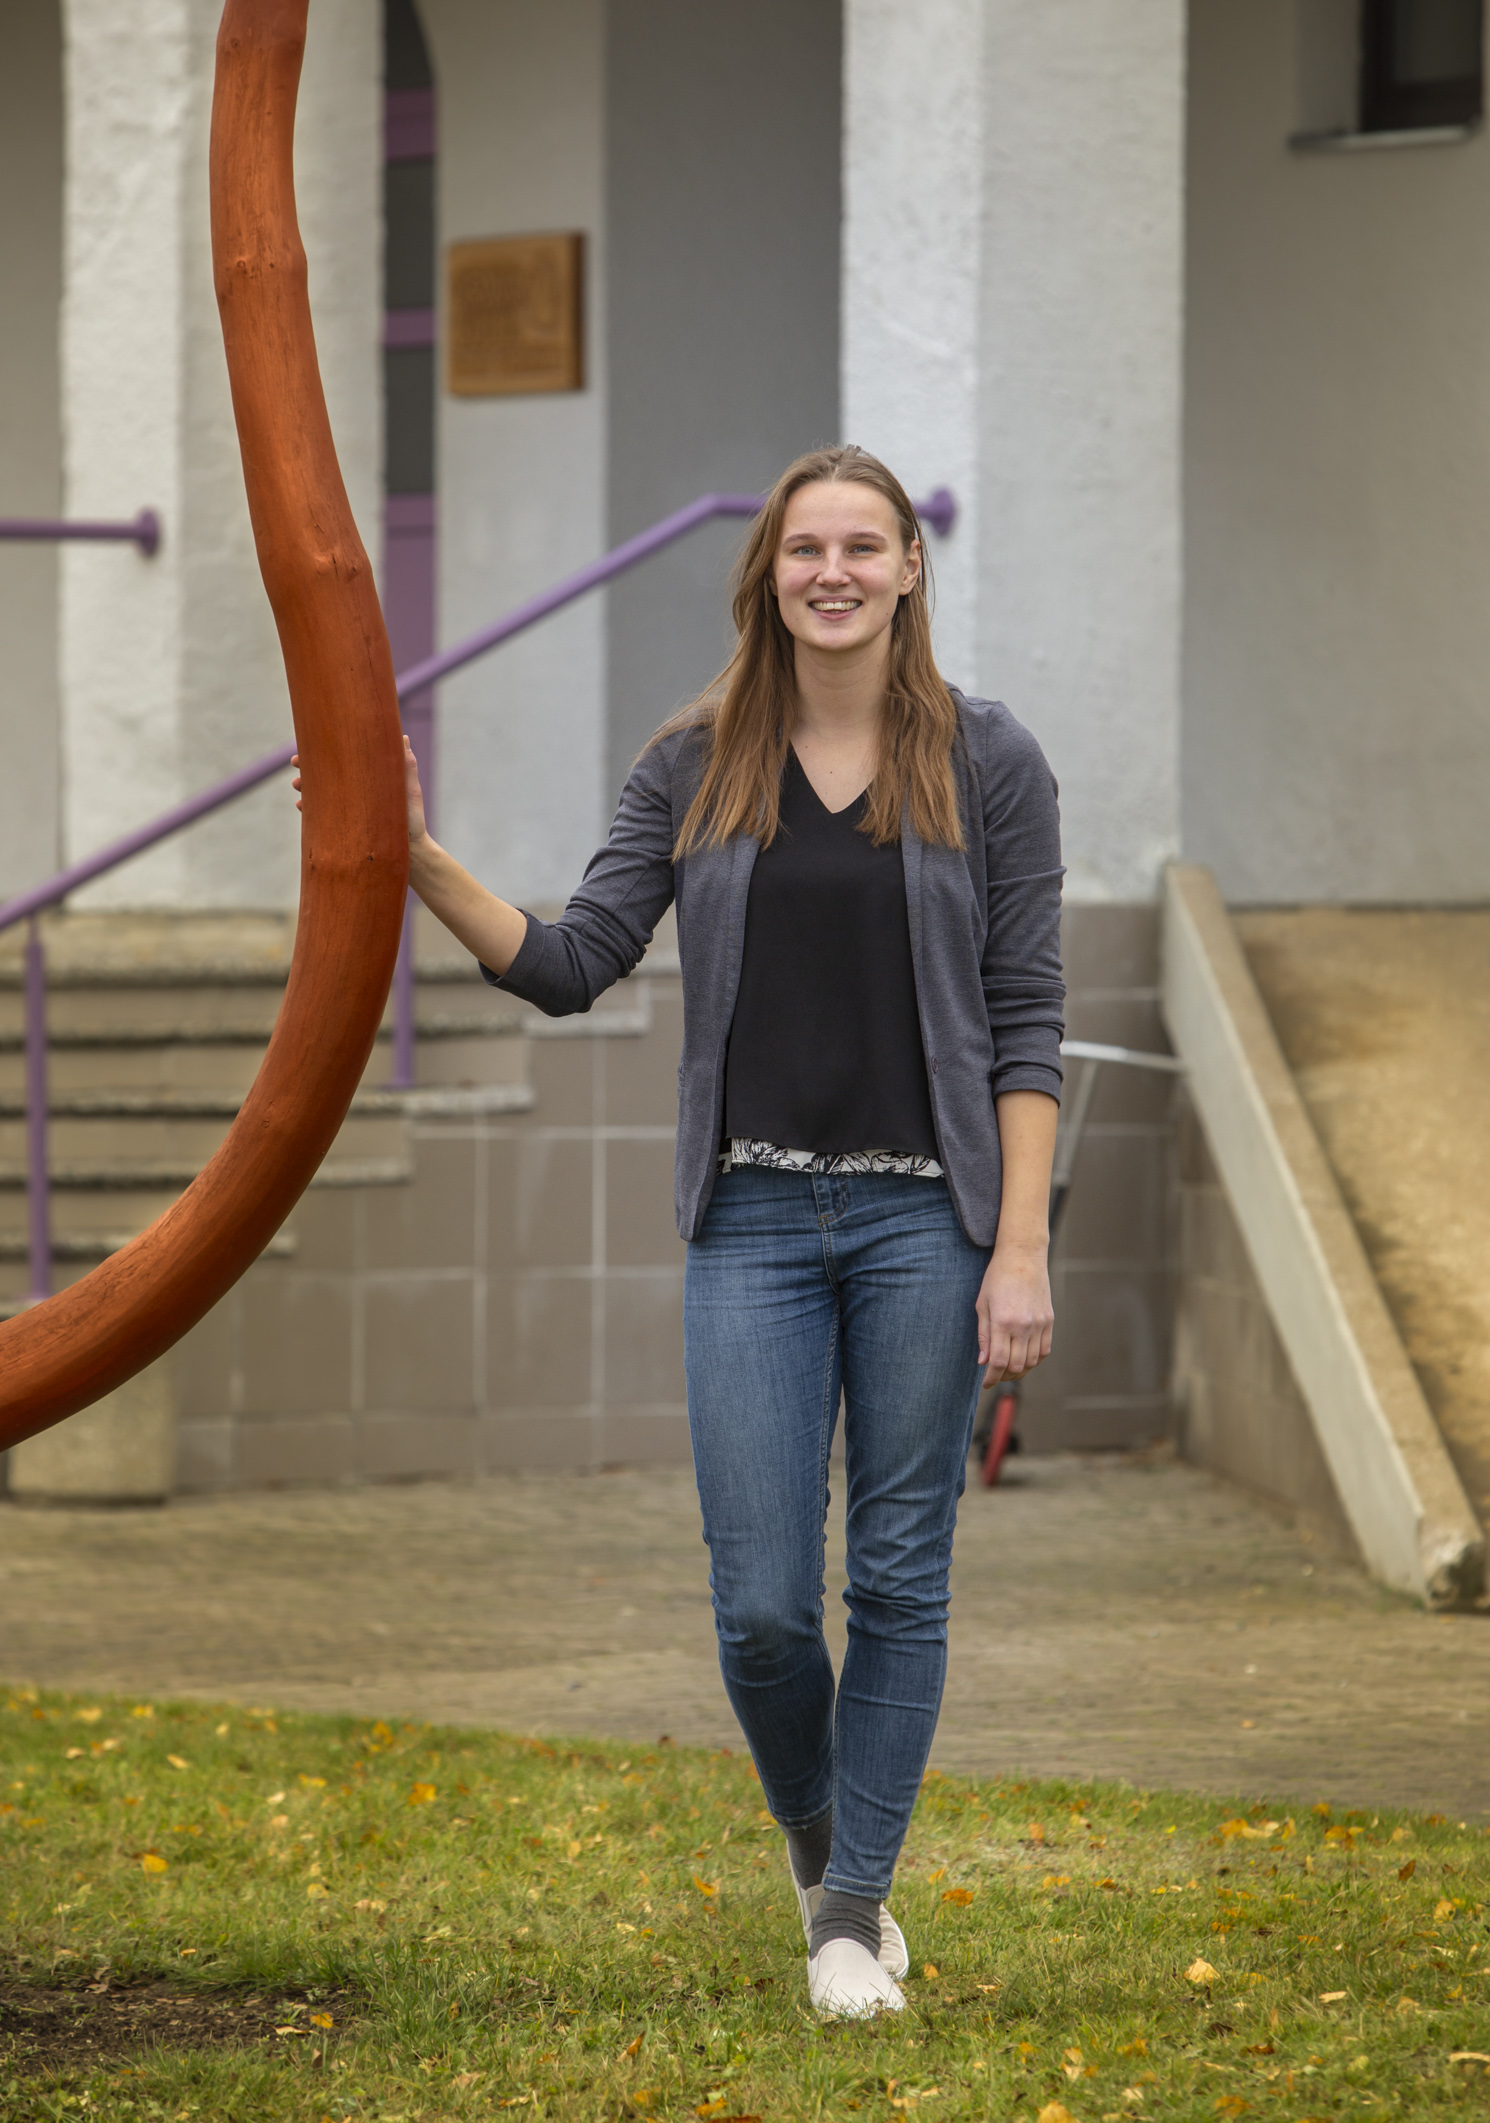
(1106, 1385)
(30, 437)
(722, 186)
(1336, 743)
(521, 479)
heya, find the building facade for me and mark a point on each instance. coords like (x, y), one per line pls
(1185, 309)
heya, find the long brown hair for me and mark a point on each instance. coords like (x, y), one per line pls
(749, 709)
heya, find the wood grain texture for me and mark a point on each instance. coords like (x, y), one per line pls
(62, 1355)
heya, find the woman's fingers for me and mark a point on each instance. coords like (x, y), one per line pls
(1012, 1348)
(417, 822)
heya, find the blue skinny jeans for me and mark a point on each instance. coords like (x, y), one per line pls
(796, 1289)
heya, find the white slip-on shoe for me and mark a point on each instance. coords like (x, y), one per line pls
(807, 1900)
(895, 1957)
(846, 1982)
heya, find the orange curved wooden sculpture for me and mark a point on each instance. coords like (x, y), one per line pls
(62, 1355)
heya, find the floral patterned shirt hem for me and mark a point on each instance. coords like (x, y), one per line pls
(742, 1151)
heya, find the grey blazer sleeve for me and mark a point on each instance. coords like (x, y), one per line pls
(1022, 982)
(563, 965)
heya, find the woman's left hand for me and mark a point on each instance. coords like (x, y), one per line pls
(1015, 1315)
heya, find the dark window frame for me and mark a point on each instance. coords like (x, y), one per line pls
(1390, 105)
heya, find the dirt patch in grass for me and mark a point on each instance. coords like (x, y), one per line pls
(74, 2030)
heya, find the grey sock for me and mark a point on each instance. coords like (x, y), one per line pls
(846, 1916)
(808, 1849)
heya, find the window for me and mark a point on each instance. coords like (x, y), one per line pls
(1422, 64)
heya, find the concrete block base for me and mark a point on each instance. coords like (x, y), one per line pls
(122, 1450)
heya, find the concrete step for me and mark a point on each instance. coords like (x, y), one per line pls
(94, 1246)
(179, 1102)
(158, 1140)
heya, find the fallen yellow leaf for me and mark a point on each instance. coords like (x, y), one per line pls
(632, 2047)
(960, 1895)
(706, 1887)
(931, 1971)
(152, 1861)
(1056, 2112)
(90, 1716)
(1405, 1872)
(1201, 1972)
(939, 1874)
(320, 2019)
(1233, 1829)
(421, 1794)
(1332, 1997)
(176, 1762)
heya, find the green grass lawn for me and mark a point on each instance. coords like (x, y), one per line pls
(449, 1924)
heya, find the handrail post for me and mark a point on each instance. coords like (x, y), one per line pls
(38, 1187)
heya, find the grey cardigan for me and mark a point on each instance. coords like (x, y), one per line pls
(985, 944)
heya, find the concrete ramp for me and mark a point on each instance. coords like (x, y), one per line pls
(1305, 1156)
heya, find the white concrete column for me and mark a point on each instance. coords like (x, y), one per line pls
(1079, 411)
(127, 91)
(170, 671)
(913, 157)
(30, 451)
(1012, 299)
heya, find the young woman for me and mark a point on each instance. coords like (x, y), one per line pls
(866, 868)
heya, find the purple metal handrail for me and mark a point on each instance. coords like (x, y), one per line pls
(938, 511)
(142, 530)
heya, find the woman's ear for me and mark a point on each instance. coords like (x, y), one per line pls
(912, 573)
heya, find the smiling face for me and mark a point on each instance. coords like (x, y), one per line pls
(840, 568)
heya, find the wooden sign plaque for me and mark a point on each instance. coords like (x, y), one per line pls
(515, 315)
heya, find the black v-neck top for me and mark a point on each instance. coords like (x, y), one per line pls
(825, 1048)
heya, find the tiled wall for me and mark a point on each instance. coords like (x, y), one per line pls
(1107, 1383)
(1238, 1404)
(518, 1304)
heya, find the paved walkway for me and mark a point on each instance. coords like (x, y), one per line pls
(1109, 1619)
